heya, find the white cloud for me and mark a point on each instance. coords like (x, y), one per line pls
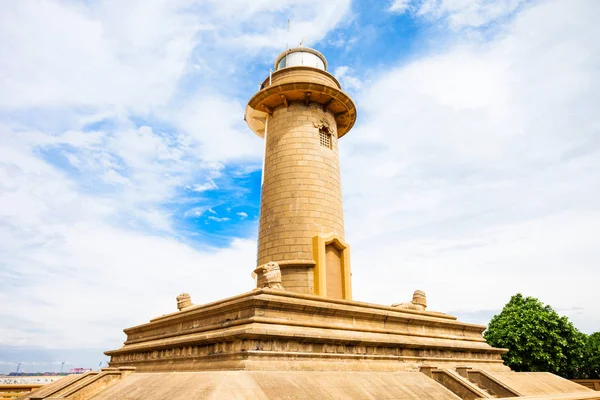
(460, 13)
(341, 40)
(113, 177)
(242, 215)
(218, 219)
(214, 126)
(209, 185)
(58, 52)
(345, 75)
(472, 174)
(196, 211)
(399, 6)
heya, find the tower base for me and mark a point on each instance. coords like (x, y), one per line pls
(271, 344)
(277, 330)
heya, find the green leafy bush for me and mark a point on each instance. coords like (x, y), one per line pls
(538, 339)
(591, 364)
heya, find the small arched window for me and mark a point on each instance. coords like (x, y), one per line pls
(325, 137)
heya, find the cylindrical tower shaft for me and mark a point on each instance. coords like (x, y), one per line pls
(302, 112)
(301, 193)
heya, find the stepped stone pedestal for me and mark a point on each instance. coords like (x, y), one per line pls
(270, 344)
(277, 330)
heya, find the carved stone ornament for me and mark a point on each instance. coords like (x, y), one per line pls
(323, 126)
(272, 276)
(419, 302)
(184, 301)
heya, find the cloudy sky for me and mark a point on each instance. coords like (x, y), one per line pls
(127, 173)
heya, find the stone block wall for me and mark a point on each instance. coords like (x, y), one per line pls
(301, 194)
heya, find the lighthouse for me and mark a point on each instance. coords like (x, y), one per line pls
(300, 334)
(301, 112)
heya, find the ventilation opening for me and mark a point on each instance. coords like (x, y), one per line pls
(325, 137)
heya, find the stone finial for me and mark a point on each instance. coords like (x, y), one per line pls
(419, 299)
(184, 301)
(419, 302)
(271, 276)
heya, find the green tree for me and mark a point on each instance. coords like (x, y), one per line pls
(591, 365)
(537, 338)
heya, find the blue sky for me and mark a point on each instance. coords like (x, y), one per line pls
(127, 173)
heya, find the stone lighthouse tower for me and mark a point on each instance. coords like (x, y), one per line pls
(283, 340)
(301, 112)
